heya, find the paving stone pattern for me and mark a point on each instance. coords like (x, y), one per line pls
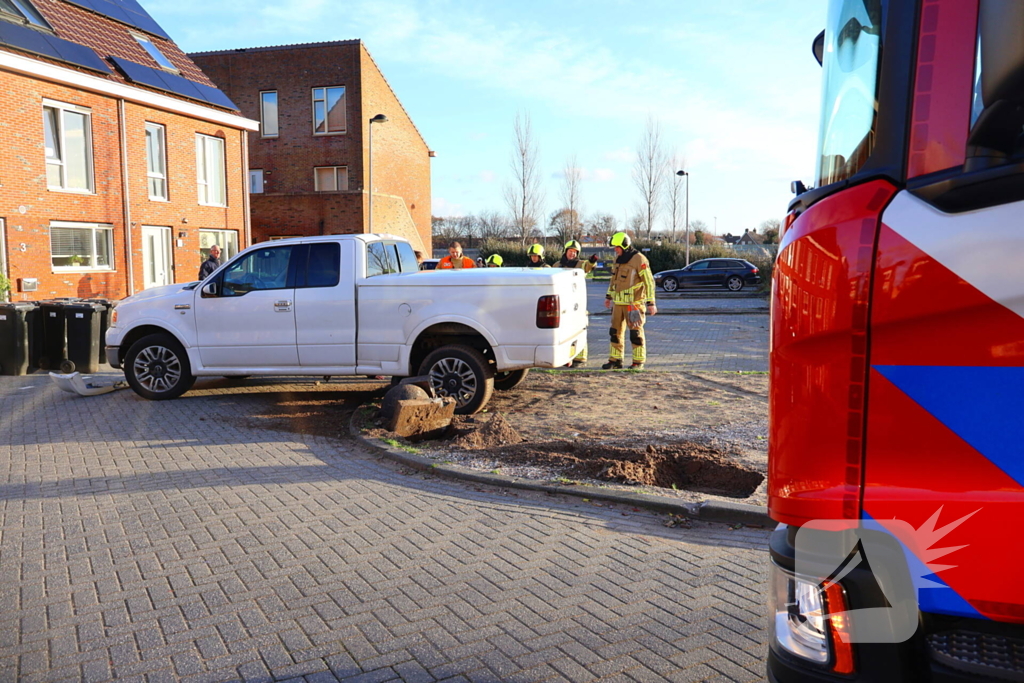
(165, 541)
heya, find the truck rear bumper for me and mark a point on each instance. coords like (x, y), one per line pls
(562, 354)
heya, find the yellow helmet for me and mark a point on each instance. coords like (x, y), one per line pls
(573, 244)
(537, 249)
(620, 239)
(495, 260)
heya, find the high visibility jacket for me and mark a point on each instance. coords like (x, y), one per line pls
(449, 262)
(632, 282)
(586, 265)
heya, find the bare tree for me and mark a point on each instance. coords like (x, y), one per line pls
(564, 225)
(770, 229)
(636, 224)
(675, 194)
(571, 198)
(603, 225)
(649, 172)
(493, 225)
(445, 229)
(524, 195)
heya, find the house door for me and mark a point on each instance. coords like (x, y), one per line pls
(156, 256)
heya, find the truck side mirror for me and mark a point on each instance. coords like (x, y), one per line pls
(818, 48)
(209, 290)
(994, 135)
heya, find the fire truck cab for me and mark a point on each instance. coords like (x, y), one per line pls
(897, 355)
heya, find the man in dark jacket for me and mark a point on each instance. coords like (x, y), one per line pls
(210, 264)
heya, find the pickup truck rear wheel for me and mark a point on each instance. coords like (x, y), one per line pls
(462, 373)
(506, 381)
(157, 368)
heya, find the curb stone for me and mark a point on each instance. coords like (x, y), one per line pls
(708, 511)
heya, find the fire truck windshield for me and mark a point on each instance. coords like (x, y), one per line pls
(850, 63)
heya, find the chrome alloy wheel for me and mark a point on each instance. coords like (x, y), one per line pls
(157, 368)
(454, 377)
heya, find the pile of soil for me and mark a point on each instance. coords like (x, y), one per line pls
(683, 465)
(496, 431)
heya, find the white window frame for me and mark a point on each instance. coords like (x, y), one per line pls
(227, 240)
(61, 160)
(203, 172)
(159, 174)
(98, 231)
(147, 44)
(27, 12)
(263, 115)
(255, 174)
(338, 171)
(315, 99)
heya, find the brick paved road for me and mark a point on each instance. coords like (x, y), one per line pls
(717, 341)
(171, 541)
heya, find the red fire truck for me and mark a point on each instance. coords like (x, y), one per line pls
(897, 352)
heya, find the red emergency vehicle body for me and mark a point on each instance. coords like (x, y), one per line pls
(897, 342)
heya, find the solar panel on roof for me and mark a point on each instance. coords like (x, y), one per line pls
(30, 40)
(125, 11)
(168, 82)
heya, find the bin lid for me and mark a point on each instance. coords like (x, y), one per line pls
(83, 306)
(17, 305)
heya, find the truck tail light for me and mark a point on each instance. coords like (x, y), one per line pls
(549, 312)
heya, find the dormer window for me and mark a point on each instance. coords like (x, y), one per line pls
(152, 49)
(24, 10)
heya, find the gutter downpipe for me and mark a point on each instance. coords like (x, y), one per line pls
(246, 210)
(126, 200)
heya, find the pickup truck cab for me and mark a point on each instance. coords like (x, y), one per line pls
(350, 305)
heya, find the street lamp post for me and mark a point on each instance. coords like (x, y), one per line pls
(379, 118)
(686, 218)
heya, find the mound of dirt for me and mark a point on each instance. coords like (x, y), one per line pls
(683, 465)
(493, 433)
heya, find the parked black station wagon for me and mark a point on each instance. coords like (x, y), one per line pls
(732, 273)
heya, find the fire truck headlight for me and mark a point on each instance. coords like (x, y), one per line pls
(798, 616)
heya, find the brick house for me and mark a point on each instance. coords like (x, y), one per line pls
(120, 162)
(309, 165)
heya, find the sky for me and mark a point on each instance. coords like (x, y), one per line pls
(732, 84)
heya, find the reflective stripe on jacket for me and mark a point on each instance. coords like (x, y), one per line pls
(632, 282)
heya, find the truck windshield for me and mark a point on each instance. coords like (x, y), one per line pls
(849, 108)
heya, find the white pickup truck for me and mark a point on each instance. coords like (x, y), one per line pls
(350, 305)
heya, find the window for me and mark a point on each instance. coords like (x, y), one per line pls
(67, 132)
(156, 161)
(260, 270)
(328, 111)
(256, 181)
(154, 52)
(330, 178)
(268, 113)
(210, 170)
(700, 265)
(323, 267)
(380, 259)
(407, 258)
(81, 246)
(23, 9)
(227, 240)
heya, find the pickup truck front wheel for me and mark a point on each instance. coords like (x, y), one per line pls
(157, 368)
(462, 373)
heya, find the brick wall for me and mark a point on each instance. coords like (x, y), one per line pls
(289, 205)
(28, 205)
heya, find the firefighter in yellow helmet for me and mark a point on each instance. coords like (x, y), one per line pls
(494, 261)
(571, 259)
(629, 292)
(536, 254)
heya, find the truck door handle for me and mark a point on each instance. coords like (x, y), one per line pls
(283, 305)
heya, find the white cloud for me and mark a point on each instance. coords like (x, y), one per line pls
(603, 175)
(623, 154)
(488, 176)
(439, 206)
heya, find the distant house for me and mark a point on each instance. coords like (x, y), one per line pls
(120, 161)
(309, 166)
(729, 238)
(750, 237)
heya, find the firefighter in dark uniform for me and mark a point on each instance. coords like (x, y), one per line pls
(571, 259)
(629, 292)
